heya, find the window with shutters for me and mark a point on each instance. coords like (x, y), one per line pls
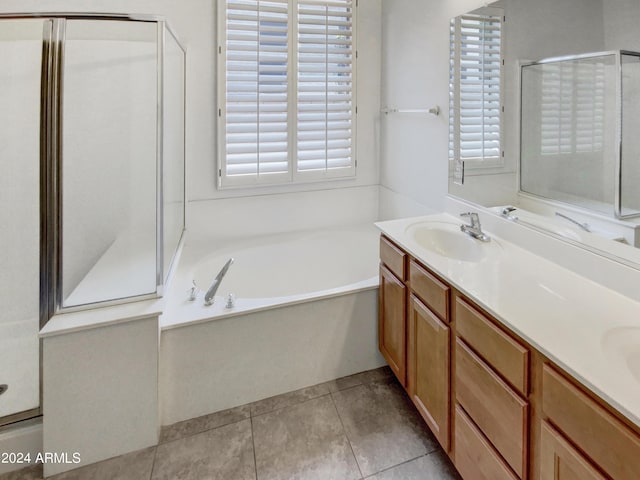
(475, 93)
(286, 91)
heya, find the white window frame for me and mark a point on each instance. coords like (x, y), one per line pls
(475, 163)
(292, 175)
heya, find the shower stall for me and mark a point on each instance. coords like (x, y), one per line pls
(92, 191)
(579, 123)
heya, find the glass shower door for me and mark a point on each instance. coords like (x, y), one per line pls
(109, 161)
(21, 44)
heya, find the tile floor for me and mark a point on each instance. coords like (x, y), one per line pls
(356, 427)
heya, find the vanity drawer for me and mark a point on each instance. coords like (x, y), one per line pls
(496, 409)
(601, 436)
(475, 457)
(433, 292)
(560, 461)
(393, 257)
(505, 355)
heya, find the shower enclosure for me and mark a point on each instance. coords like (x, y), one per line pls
(579, 123)
(92, 186)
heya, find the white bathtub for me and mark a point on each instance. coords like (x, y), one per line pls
(273, 271)
(305, 312)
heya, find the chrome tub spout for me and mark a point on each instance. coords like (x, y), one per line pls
(211, 293)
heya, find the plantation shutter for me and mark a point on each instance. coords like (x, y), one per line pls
(475, 88)
(286, 91)
(573, 106)
(256, 112)
(324, 85)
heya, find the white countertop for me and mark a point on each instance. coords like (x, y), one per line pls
(589, 330)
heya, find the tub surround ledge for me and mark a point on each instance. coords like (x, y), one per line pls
(65, 323)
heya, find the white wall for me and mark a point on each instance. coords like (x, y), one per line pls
(621, 20)
(415, 74)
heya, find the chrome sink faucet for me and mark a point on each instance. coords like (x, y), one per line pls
(474, 229)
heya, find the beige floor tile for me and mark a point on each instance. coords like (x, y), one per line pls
(132, 466)
(204, 423)
(303, 442)
(435, 466)
(382, 425)
(225, 453)
(288, 399)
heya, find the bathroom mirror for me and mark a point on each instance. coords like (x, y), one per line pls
(530, 32)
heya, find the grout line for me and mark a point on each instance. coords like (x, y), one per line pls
(292, 405)
(253, 443)
(340, 390)
(344, 431)
(153, 464)
(399, 464)
(203, 431)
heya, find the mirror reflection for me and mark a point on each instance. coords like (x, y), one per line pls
(559, 152)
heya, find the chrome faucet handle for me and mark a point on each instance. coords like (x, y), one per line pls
(506, 213)
(473, 216)
(193, 292)
(474, 229)
(231, 301)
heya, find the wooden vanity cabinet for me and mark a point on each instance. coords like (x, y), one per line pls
(500, 408)
(392, 308)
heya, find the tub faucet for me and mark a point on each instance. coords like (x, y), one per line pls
(211, 293)
(474, 229)
(583, 226)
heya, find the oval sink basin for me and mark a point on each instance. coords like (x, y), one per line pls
(623, 343)
(447, 240)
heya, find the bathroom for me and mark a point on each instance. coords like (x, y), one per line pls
(188, 365)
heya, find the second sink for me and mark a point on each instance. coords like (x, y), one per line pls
(623, 344)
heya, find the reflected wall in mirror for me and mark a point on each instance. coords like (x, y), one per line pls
(533, 31)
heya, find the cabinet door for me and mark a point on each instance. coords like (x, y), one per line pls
(428, 368)
(392, 322)
(560, 461)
